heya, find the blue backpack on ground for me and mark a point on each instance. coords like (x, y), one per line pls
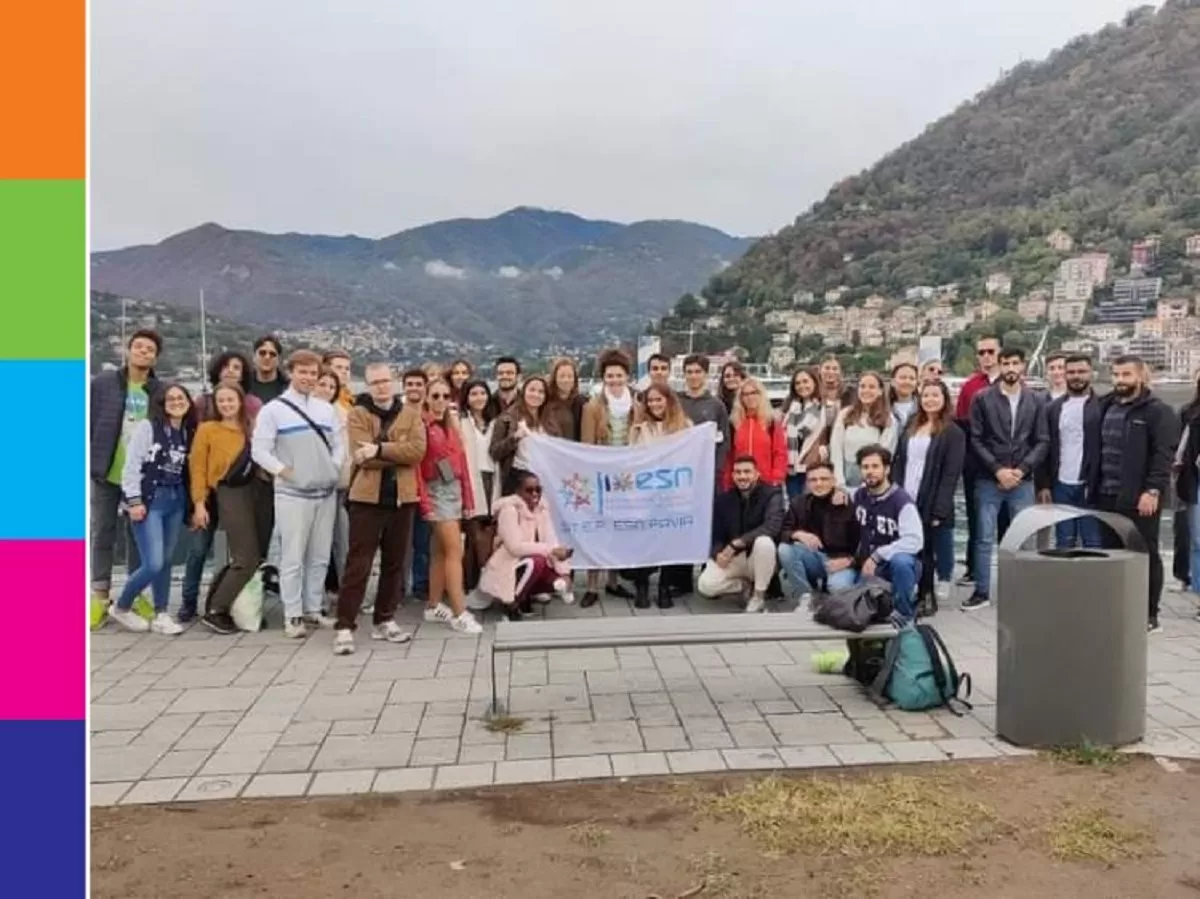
(918, 673)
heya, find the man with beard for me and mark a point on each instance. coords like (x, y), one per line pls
(891, 535)
(508, 374)
(1138, 435)
(1073, 422)
(1009, 439)
(747, 519)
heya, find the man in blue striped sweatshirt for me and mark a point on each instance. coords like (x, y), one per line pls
(890, 533)
(297, 441)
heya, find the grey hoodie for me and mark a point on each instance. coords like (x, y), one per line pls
(282, 439)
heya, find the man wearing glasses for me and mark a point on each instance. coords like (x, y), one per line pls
(268, 381)
(987, 355)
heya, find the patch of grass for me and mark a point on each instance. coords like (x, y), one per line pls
(859, 817)
(504, 724)
(1089, 755)
(719, 880)
(1091, 834)
(588, 834)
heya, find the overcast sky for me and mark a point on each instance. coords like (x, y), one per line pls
(370, 116)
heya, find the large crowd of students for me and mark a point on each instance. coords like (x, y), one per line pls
(431, 472)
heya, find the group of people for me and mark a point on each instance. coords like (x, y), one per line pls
(432, 472)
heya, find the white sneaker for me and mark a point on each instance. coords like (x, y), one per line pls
(478, 601)
(319, 621)
(466, 624)
(128, 619)
(391, 632)
(803, 604)
(564, 591)
(294, 629)
(166, 625)
(941, 592)
(441, 612)
(755, 604)
(541, 598)
(367, 609)
(343, 642)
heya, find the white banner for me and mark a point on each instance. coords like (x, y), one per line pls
(630, 506)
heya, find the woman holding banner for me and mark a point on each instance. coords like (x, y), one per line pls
(524, 417)
(664, 417)
(607, 419)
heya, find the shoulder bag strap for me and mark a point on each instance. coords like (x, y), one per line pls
(312, 424)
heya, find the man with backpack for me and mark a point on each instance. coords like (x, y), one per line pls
(298, 441)
(891, 536)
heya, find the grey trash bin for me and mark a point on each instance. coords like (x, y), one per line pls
(1071, 641)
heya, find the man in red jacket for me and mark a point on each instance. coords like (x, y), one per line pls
(987, 353)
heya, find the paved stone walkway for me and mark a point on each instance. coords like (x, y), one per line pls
(207, 717)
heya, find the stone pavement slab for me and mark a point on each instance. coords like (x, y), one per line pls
(206, 717)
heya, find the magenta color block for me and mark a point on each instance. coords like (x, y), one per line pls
(43, 645)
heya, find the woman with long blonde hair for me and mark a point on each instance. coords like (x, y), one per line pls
(757, 433)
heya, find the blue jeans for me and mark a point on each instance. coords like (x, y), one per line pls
(199, 548)
(1081, 531)
(795, 485)
(156, 535)
(804, 569)
(1194, 527)
(903, 572)
(420, 557)
(989, 500)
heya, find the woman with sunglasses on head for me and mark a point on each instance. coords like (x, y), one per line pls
(329, 388)
(476, 424)
(220, 469)
(565, 404)
(529, 559)
(902, 394)
(832, 388)
(865, 422)
(445, 485)
(526, 416)
(663, 417)
(804, 423)
(755, 432)
(931, 372)
(154, 492)
(927, 465)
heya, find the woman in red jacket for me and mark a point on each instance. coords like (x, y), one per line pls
(445, 490)
(757, 433)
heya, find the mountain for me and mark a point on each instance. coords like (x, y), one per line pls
(524, 279)
(1101, 139)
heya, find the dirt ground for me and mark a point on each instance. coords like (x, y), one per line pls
(1094, 827)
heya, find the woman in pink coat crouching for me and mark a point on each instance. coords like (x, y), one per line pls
(529, 559)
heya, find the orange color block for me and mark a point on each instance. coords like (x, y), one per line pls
(43, 84)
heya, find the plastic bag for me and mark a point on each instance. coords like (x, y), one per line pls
(247, 611)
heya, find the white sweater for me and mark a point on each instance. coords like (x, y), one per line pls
(847, 439)
(476, 445)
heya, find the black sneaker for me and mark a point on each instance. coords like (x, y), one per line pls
(642, 600)
(219, 623)
(664, 600)
(975, 601)
(619, 591)
(589, 599)
(187, 614)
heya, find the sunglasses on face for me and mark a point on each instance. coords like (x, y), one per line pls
(985, 352)
(439, 396)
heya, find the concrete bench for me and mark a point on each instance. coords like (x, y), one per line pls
(665, 630)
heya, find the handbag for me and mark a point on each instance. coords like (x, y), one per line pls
(241, 470)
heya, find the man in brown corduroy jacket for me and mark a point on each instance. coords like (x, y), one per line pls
(386, 438)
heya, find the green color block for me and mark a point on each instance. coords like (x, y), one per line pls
(43, 269)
